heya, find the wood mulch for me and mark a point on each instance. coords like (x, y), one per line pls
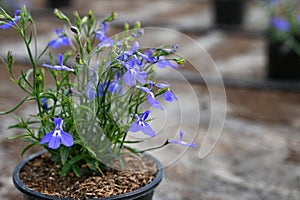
(43, 176)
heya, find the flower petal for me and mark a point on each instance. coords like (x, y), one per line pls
(47, 137)
(135, 127)
(147, 130)
(66, 139)
(153, 102)
(129, 79)
(54, 142)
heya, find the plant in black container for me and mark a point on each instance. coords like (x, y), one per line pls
(283, 40)
(59, 3)
(228, 13)
(103, 89)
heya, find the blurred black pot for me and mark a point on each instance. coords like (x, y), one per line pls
(283, 62)
(59, 3)
(228, 13)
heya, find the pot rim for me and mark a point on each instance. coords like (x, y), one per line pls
(134, 194)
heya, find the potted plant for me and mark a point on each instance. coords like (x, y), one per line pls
(59, 3)
(101, 91)
(283, 44)
(228, 13)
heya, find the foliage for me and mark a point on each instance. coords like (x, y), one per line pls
(99, 91)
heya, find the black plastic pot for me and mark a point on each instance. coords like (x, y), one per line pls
(59, 3)
(228, 13)
(283, 63)
(144, 193)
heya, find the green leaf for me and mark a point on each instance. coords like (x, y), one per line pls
(66, 168)
(76, 170)
(19, 136)
(64, 153)
(29, 147)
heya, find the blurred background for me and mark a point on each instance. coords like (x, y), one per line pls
(258, 153)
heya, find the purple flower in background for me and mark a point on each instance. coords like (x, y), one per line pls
(53, 138)
(61, 40)
(44, 103)
(141, 125)
(116, 87)
(181, 142)
(298, 17)
(60, 66)
(16, 18)
(280, 23)
(133, 74)
(101, 35)
(90, 90)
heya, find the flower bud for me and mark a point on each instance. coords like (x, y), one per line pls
(179, 61)
(137, 25)
(74, 30)
(175, 48)
(60, 15)
(126, 26)
(112, 17)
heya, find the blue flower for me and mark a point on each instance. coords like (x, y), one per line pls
(280, 23)
(90, 90)
(101, 35)
(55, 137)
(161, 62)
(16, 18)
(141, 125)
(133, 74)
(151, 98)
(61, 40)
(116, 87)
(168, 95)
(181, 142)
(60, 66)
(44, 103)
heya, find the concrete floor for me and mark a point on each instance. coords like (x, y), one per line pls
(257, 156)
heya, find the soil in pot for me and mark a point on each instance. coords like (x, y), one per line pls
(41, 175)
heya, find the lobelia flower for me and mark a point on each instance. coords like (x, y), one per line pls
(181, 142)
(61, 40)
(161, 62)
(60, 66)
(141, 125)
(44, 103)
(101, 35)
(280, 23)
(151, 98)
(16, 18)
(133, 74)
(55, 137)
(168, 95)
(116, 87)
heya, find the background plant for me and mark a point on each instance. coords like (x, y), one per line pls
(284, 25)
(102, 89)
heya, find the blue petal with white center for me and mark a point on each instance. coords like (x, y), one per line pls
(57, 136)
(141, 125)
